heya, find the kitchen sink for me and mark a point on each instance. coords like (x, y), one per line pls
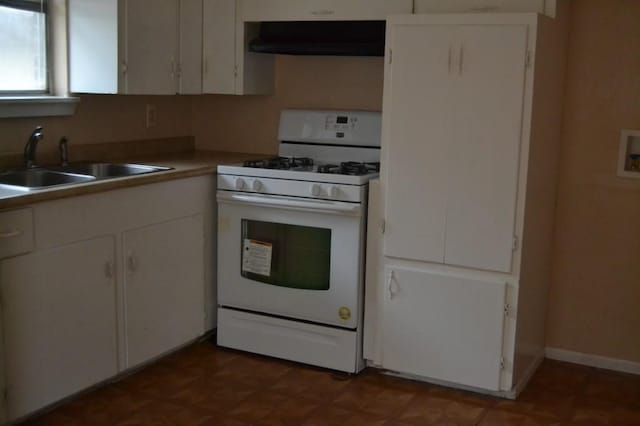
(109, 170)
(74, 173)
(41, 178)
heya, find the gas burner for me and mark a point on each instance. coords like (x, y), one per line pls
(280, 163)
(350, 168)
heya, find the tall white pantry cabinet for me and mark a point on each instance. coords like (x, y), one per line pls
(461, 220)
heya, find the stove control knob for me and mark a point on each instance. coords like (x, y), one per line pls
(315, 190)
(240, 184)
(256, 185)
(334, 191)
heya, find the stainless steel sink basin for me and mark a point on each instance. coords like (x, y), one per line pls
(41, 178)
(109, 170)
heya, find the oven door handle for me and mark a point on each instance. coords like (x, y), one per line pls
(321, 206)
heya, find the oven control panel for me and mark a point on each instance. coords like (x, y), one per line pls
(268, 186)
(358, 128)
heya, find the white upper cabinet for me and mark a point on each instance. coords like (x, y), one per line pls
(547, 7)
(219, 47)
(150, 62)
(310, 10)
(453, 120)
(128, 47)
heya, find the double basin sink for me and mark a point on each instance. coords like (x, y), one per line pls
(75, 173)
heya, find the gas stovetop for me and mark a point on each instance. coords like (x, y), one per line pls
(306, 164)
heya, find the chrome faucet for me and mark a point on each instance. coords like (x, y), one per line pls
(31, 146)
(64, 152)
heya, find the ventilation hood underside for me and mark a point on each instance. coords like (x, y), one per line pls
(336, 38)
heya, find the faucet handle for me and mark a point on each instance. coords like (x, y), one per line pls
(64, 151)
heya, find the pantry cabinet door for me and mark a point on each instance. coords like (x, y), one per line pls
(417, 133)
(59, 318)
(483, 162)
(163, 287)
(443, 327)
(151, 47)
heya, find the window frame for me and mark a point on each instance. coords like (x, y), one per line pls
(40, 6)
(48, 102)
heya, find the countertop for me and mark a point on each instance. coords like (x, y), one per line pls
(184, 164)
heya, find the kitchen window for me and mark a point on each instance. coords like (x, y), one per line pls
(32, 42)
(23, 31)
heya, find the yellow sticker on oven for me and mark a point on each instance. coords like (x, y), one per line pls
(344, 313)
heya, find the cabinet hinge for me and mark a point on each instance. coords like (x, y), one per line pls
(527, 59)
(507, 309)
(124, 68)
(390, 56)
(515, 244)
(235, 71)
(501, 363)
(383, 225)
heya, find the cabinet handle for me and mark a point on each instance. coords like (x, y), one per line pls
(108, 269)
(132, 263)
(391, 285)
(11, 234)
(322, 12)
(461, 60)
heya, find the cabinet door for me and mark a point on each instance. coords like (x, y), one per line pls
(483, 160)
(417, 121)
(190, 81)
(308, 10)
(59, 322)
(447, 6)
(219, 47)
(151, 47)
(164, 287)
(443, 327)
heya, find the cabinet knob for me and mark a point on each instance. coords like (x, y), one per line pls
(108, 269)
(132, 263)
(334, 191)
(256, 185)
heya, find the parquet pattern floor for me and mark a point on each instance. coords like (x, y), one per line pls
(207, 385)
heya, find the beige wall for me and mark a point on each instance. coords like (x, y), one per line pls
(595, 293)
(250, 123)
(104, 118)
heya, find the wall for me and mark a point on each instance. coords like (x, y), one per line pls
(595, 293)
(250, 123)
(104, 118)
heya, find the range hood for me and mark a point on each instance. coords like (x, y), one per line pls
(336, 38)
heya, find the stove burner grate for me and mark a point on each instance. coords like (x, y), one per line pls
(280, 163)
(352, 168)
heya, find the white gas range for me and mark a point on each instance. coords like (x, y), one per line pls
(291, 241)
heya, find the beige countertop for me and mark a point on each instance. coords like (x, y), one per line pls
(184, 164)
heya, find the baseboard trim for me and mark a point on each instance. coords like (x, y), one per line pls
(593, 360)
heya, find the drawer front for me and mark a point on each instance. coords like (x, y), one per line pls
(16, 232)
(320, 10)
(449, 6)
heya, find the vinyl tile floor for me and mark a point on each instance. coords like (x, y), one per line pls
(207, 385)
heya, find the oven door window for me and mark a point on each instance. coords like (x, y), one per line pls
(286, 255)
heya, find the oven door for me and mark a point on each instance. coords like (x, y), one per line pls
(291, 257)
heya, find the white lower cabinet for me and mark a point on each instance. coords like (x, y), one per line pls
(163, 287)
(110, 280)
(59, 312)
(445, 327)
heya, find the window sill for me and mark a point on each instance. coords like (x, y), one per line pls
(37, 106)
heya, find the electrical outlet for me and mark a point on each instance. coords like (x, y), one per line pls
(152, 116)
